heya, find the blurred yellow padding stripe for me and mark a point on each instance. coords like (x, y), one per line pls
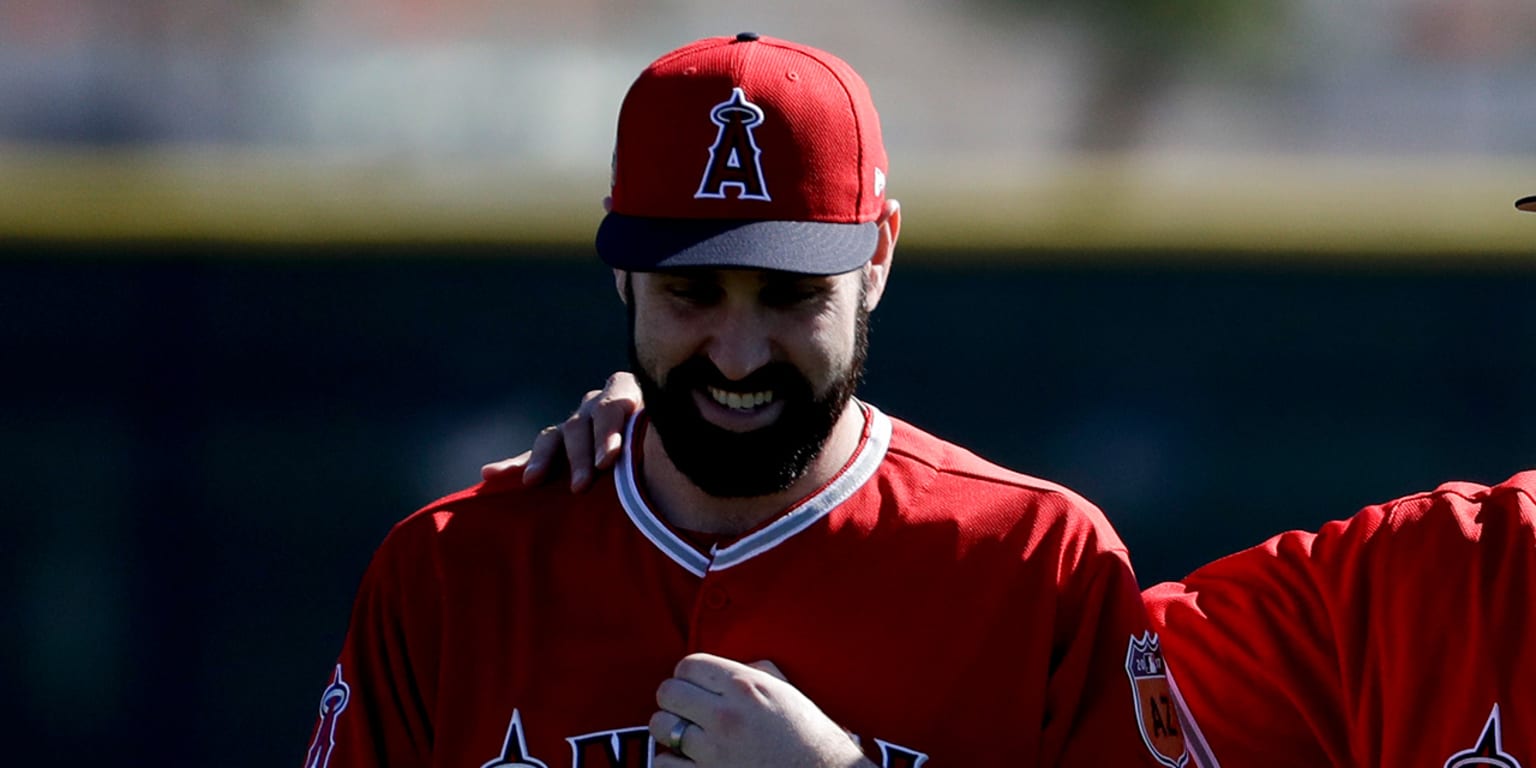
(1169, 206)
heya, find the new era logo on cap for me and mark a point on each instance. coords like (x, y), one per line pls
(746, 151)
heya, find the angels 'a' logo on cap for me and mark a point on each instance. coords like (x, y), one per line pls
(1489, 749)
(734, 158)
(1155, 710)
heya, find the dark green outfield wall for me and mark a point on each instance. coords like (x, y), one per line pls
(202, 447)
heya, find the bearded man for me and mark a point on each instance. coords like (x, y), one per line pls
(777, 574)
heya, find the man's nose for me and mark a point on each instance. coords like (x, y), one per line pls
(740, 344)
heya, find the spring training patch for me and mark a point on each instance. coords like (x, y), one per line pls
(733, 160)
(1489, 749)
(332, 702)
(1155, 713)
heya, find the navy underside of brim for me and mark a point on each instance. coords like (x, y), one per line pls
(645, 244)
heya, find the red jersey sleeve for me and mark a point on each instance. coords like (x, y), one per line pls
(1382, 639)
(1249, 642)
(375, 710)
(1109, 697)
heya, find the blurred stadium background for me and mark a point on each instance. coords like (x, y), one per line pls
(274, 274)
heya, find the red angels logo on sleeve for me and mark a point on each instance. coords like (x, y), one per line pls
(1155, 713)
(1489, 749)
(733, 160)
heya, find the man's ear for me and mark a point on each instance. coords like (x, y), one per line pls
(620, 282)
(878, 270)
(890, 218)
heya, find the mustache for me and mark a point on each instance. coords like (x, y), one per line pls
(699, 372)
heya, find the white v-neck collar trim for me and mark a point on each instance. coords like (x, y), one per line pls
(799, 517)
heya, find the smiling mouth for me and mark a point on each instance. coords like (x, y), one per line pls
(740, 401)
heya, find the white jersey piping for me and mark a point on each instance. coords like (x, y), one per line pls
(798, 518)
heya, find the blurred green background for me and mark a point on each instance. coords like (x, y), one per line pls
(274, 275)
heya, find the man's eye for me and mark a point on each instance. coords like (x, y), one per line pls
(695, 294)
(791, 295)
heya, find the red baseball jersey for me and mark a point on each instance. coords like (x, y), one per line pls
(939, 607)
(1401, 636)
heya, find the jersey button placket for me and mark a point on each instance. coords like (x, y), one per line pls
(715, 597)
(711, 614)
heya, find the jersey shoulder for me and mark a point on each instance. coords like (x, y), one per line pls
(981, 487)
(1447, 522)
(910, 443)
(497, 510)
(1368, 564)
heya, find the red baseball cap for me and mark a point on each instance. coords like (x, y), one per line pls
(750, 152)
(1527, 203)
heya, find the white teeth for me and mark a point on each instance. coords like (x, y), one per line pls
(741, 401)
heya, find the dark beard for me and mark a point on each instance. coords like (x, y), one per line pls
(727, 464)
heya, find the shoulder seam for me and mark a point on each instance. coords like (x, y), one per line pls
(1018, 479)
(1391, 508)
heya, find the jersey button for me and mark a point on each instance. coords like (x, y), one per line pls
(715, 598)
